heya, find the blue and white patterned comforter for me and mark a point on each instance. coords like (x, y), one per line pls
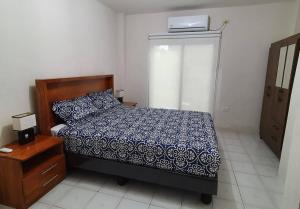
(184, 142)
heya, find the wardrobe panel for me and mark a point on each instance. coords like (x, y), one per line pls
(281, 66)
(288, 66)
(280, 106)
(269, 91)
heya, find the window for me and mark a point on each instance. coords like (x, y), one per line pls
(182, 73)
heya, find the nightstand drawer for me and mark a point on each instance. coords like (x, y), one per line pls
(44, 175)
(44, 188)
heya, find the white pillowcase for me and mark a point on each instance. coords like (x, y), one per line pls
(56, 129)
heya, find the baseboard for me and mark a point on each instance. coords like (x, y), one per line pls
(240, 129)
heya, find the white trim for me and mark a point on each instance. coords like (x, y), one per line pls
(206, 34)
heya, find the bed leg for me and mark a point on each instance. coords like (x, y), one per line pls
(122, 181)
(206, 198)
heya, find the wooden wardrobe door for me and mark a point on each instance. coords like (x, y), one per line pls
(281, 101)
(278, 119)
(280, 106)
(269, 93)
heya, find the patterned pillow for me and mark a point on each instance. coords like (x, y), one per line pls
(104, 100)
(108, 91)
(74, 109)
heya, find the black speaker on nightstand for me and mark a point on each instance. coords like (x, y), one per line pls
(26, 136)
(120, 99)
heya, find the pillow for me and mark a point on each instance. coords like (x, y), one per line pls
(55, 129)
(74, 109)
(108, 91)
(104, 100)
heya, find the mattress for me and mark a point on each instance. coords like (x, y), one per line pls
(184, 142)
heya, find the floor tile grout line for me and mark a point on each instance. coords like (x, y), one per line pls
(259, 176)
(249, 187)
(89, 201)
(234, 172)
(127, 198)
(238, 187)
(152, 196)
(269, 193)
(65, 194)
(56, 207)
(120, 200)
(122, 197)
(230, 200)
(253, 163)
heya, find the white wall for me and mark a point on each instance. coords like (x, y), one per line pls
(292, 185)
(285, 154)
(243, 60)
(297, 28)
(50, 38)
(120, 74)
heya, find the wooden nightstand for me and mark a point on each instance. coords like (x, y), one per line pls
(130, 104)
(31, 170)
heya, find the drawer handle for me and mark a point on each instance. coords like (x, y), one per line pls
(50, 180)
(49, 169)
(276, 127)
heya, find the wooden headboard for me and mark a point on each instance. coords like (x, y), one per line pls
(51, 90)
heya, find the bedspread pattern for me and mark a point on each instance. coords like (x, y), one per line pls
(179, 141)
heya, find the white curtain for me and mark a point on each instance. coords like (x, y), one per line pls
(182, 72)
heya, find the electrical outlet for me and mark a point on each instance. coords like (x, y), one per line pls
(226, 109)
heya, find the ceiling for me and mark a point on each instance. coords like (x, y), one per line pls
(143, 6)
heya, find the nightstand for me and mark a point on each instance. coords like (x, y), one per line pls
(130, 104)
(31, 170)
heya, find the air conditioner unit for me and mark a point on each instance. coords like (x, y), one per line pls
(188, 23)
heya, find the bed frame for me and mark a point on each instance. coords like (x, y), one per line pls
(50, 90)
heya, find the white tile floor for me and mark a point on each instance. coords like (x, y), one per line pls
(247, 180)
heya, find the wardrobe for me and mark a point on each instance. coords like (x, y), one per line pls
(282, 64)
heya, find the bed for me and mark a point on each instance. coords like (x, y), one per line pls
(168, 147)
